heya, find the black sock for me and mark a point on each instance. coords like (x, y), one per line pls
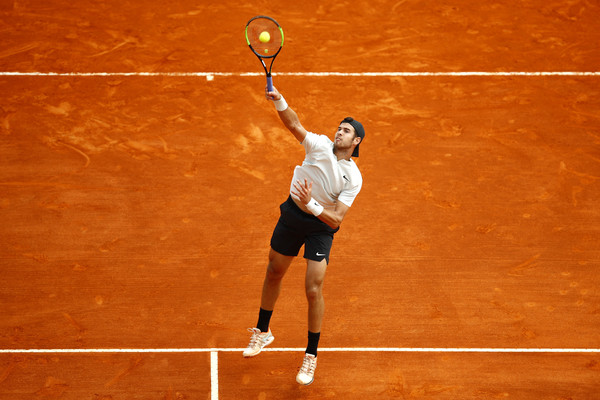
(313, 343)
(264, 317)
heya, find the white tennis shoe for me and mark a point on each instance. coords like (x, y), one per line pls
(258, 341)
(306, 376)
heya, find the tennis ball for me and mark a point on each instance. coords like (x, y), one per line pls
(264, 37)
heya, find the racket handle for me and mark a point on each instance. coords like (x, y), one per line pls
(269, 83)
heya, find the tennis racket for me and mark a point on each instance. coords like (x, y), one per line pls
(265, 38)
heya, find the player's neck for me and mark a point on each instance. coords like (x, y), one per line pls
(342, 154)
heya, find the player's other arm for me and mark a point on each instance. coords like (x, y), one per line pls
(288, 117)
(334, 217)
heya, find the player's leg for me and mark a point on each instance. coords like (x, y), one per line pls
(278, 266)
(261, 335)
(286, 241)
(316, 252)
(315, 276)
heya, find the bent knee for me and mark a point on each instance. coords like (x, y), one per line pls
(278, 265)
(275, 272)
(314, 292)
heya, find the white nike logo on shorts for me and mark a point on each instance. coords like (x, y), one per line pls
(320, 255)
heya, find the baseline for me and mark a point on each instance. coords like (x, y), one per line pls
(325, 349)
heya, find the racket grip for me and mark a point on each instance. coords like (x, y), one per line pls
(269, 83)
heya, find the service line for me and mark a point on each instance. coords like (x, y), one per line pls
(211, 75)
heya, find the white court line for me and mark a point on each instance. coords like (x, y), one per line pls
(214, 375)
(210, 75)
(214, 354)
(214, 351)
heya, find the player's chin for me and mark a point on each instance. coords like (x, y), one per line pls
(338, 145)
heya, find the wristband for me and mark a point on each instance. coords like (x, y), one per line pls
(314, 207)
(281, 104)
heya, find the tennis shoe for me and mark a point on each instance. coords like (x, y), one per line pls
(258, 341)
(306, 376)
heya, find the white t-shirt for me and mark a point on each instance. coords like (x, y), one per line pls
(333, 180)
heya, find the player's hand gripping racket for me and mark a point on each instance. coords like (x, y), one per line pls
(265, 38)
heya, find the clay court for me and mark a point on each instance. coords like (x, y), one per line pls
(142, 170)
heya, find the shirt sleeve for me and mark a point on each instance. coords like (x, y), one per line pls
(347, 196)
(310, 141)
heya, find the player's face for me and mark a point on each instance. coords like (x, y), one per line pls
(344, 136)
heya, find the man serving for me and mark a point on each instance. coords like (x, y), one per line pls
(322, 191)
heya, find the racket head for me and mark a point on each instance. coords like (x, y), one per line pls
(258, 25)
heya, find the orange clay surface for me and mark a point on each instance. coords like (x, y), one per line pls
(136, 211)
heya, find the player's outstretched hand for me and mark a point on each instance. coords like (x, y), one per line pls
(273, 95)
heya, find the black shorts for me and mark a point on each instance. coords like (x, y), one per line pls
(296, 228)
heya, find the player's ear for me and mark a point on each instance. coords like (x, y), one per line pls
(357, 140)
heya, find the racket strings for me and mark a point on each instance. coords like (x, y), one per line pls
(268, 48)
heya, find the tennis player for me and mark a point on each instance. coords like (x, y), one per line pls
(321, 192)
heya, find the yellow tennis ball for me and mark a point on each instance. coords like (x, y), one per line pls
(264, 37)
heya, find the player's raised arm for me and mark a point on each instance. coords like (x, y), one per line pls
(287, 115)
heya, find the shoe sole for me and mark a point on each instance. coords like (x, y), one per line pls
(305, 384)
(265, 345)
